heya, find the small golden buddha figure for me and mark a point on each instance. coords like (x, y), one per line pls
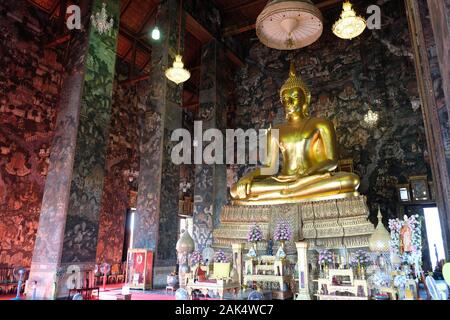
(308, 148)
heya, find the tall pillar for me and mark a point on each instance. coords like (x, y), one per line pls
(238, 259)
(156, 225)
(440, 22)
(433, 81)
(303, 272)
(210, 192)
(68, 225)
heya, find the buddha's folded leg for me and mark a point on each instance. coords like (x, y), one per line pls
(272, 185)
(278, 190)
(335, 184)
(267, 185)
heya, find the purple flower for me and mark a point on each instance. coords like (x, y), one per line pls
(196, 258)
(254, 234)
(282, 232)
(220, 257)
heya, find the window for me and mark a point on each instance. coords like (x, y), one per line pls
(186, 223)
(131, 227)
(129, 232)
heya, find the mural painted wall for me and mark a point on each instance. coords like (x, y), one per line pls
(346, 78)
(30, 77)
(122, 166)
(82, 225)
(157, 203)
(210, 192)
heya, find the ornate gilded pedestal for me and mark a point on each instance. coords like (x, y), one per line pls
(330, 224)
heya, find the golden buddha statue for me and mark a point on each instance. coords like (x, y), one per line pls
(308, 148)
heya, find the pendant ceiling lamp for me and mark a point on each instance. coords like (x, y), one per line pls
(349, 25)
(156, 34)
(289, 24)
(177, 73)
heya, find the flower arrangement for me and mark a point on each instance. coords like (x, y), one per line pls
(196, 258)
(380, 279)
(282, 232)
(254, 234)
(220, 257)
(400, 281)
(325, 257)
(361, 258)
(395, 225)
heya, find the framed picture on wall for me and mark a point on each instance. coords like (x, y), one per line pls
(419, 188)
(403, 193)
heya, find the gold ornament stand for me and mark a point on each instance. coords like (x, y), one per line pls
(266, 270)
(356, 288)
(331, 224)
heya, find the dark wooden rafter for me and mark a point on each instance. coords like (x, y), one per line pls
(54, 9)
(133, 60)
(62, 15)
(147, 19)
(243, 5)
(198, 31)
(125, 7)
(58, 41)
(139, 42)
(135, 80)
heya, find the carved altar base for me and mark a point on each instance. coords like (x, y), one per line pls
(331, 224)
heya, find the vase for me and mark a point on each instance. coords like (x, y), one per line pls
(281, 253)
(253, 252)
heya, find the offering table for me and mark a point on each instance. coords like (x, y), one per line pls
(219, 287)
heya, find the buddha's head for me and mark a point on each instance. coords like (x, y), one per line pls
(295, 96)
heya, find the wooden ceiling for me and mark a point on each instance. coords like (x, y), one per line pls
(138, 18)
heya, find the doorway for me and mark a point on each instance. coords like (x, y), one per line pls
(129, 232)
(434, 235)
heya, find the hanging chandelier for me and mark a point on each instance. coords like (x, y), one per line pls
(100, 21)
(371, 118)
(349, 25)
(289, 24)
(177, 73)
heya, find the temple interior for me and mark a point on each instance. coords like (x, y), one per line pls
(231, 150)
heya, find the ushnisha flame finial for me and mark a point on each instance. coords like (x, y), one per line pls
(295, 81)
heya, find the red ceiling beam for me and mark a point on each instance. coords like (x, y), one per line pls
(58, 41)
(125, 7)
